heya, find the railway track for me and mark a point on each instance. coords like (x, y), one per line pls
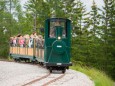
(53, 80)
(35, 80)
(41, 80)
(44, 80)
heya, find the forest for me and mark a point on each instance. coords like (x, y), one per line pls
(92, 36)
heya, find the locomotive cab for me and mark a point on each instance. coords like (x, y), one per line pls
(57, 44)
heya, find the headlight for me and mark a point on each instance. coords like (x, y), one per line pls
(59, 38)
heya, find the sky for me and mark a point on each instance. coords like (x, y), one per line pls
(23, 2)
(88, 3)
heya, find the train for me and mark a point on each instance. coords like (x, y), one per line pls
(55, 53)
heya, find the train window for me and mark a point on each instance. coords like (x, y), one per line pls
(52, 31)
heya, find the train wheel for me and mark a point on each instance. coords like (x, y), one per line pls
(25, 60)
(33, 62)
(47, 67)
(29, 60)
(15, 60)
(50, 70)
(19, 60)
(64, 70)
(36, 61)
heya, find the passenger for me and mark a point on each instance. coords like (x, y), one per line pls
(57, 23)
(11, 41)
(34, 34)
(30, 44)
(26, 37)
(40, 41)
(36, 40)
(14, 41)
(43, 42)
(21, 41)
(52, 34)
(18, 35)
(53, 29)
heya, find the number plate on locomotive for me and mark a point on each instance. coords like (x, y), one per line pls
(59, 63)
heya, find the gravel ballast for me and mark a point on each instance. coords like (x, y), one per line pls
(17, 74)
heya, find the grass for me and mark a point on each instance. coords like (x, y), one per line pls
(99, 77)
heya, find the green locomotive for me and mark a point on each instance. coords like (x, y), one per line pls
(57, 44)
(55, 54)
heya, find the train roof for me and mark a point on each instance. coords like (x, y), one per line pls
(59, 19)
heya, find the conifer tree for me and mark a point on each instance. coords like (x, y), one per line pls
(108, 28)
(94, 36)
(80, 29)
(6, 25)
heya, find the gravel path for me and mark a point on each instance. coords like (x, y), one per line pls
(16, 74)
